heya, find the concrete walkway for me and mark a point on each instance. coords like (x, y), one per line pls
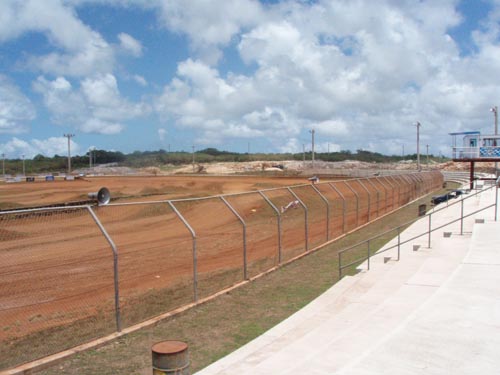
(436, 311)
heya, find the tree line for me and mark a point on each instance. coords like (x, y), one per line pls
(138, 159)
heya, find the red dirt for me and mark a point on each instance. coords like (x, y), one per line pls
(57, 267)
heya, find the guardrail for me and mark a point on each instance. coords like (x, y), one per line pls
(428, 232)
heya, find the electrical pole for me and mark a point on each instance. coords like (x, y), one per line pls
(90, 157)
(24, 169)
(69, 136)
(312, 147)
(193, 158)
(303, 155)
(427, 155)
(418, 144)
(3, 165)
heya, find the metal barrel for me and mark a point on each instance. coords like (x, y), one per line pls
(170, 357)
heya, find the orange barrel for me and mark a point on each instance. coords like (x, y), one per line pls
(170, 357)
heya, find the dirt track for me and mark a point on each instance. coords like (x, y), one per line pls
(57, 267)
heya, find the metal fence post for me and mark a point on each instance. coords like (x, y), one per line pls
(279, 223)
(357, 202)
(115, 267)
(195, 259)
(369, 200)
(244, 225)
(343, 204)
(378, 194)
(305, 217)
(327, 211)
(385, 193)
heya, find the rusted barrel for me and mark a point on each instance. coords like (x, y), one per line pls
(170, 357)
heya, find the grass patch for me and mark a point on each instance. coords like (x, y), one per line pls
(217, 328)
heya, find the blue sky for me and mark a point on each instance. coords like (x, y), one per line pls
(142, 75)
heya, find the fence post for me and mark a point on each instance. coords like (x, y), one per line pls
(369, 200)
(305, 217)
(244, 225)
(343, 204)
(340, 265)
(394, 192)
(357, 202)
(115, 267)
(385, 192)
(378, 194)
(279, 222)
(327, 211)
(195, 259)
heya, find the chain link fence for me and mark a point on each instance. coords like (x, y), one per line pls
(73, 274)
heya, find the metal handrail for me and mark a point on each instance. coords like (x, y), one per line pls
(398, 228)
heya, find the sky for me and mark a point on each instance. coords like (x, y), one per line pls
(245, 75)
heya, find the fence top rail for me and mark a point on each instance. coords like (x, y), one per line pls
(217, 196)
(45, 209)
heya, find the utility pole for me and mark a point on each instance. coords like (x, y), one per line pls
(403, 151)
(303, 155)
(312, 147)
(193, 158)
(69, 136)
(3, 164)
(90, 157)
(427, 155)
(418, 144)
(24, 169)
(495, 113)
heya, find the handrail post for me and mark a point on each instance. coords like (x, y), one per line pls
(462, 217)
(118, 318)
(244, 225)
(340, 265)
(305, 216)
(399, 243)
(496, 202)
(368, 262)
(343, 204)
(195, 258)
(327, 211)
(268, 201)
(430, 231)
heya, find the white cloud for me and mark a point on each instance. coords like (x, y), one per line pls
(47, 147)
(15, 108)
(130, 44)
(80, 50)
(209, 25)
(95, 107)
(140, 80)
(356, 71)
(161, 134)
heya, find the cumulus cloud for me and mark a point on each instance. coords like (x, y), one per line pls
(161, 134)
(15, 108)
(345, 68)
(210, 27)
(130, 44)
(94, 107)
(16, 147)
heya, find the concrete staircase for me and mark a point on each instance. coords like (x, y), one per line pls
(376, 321)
